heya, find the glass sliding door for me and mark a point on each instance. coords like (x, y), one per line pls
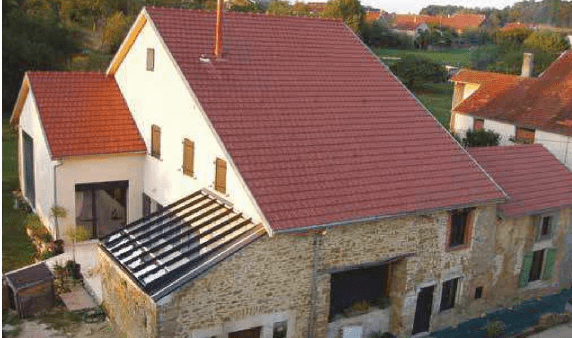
(101, 207)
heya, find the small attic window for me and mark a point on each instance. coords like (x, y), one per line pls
(150, 59)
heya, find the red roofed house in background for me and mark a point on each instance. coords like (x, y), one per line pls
(412, 24)
(522, 109)
(291, 186)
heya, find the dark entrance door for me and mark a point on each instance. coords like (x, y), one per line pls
(101, 207)
(423, 310)
(29, 182)
(250, 333)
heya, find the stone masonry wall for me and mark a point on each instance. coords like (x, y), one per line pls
(131, 312)
(275, 274)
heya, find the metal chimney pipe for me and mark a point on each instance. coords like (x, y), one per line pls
(218, 38)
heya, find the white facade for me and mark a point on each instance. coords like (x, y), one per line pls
(559, 145)
(162, 97)
(97, 169)
(43, 165)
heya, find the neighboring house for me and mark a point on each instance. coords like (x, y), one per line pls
(372, 15)
(534, 228)
(411, 29)
(291, 187)
(522, 109)
(458, 23)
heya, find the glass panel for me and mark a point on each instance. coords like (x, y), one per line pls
(110, 210)
(84, 210)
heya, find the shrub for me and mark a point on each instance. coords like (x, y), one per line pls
(480, 138)
(415, 71)
(495, 328)
(46, 254)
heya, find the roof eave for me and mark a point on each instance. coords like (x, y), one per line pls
(128, 42)
(389, 216)
(19, 105)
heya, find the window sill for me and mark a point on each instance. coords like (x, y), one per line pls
(457, 247)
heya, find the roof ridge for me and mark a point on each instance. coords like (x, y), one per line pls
(253, 14)
(65, 72)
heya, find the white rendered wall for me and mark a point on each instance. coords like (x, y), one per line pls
(95, 169)
(470, 88)
(43, 164)
(559, 145)
(462, 124)
(161, 97)
(505, 130)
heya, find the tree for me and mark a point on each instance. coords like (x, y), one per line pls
(348, 10)
(547, 41)
(31, 42)
(114, 31)
(245, 6)
(512, 37)
(378, 35)
(414, 71)
(277, 7)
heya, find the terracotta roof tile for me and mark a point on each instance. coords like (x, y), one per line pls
(319, 129)
(84, 114)
(532, 177)
(539, 103)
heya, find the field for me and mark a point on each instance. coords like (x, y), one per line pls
(437, 98)
(451, 57)
(17, 249)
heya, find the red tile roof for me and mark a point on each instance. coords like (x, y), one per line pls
(319, 129)
(371, 16)
(539, 103)
(490, 84)
(458, 22)
(84, 114)
(533, 178)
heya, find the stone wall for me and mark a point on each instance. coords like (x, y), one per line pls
(275, 279)
(274, 275)
(131, 312)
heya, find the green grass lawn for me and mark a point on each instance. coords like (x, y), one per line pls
(17, 248)
(437, 98)
(452, 57)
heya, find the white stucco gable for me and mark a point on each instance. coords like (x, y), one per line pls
(163, 97)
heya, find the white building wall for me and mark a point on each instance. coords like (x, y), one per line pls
(96, 169)
(506, 131)
(462, 124)
(161, 97)
(43, 164)
(470, 88)
(559, 145)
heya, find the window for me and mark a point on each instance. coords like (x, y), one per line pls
(449, 294)
(478, 124)
(220, 176)
(155, 141)
(280, 329)
(29, 177)
(150, 59)
(479, 292)
(188, 157)
(545, 228)
(524, 135)
(537, 265)
(146, 205)
(459, 233)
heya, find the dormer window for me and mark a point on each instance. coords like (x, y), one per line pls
(150, 59)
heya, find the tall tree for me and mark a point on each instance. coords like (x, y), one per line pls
(348, 10)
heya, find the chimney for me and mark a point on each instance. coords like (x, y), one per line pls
(218, 37)
(527, 65)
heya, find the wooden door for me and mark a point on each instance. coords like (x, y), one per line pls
(423, 310)
(250, 333)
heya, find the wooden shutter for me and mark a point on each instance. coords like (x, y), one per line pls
(188, 157)
(525, 272)
(155, 141)
(150, 59)
(220, 176)
(549, 264)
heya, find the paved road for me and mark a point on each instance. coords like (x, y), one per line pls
(562, 331)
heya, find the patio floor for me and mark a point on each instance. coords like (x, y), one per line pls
(86, 256)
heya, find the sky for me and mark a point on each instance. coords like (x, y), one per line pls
(414, 6)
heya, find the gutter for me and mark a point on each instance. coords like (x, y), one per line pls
(382, 217)
(56, 223)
